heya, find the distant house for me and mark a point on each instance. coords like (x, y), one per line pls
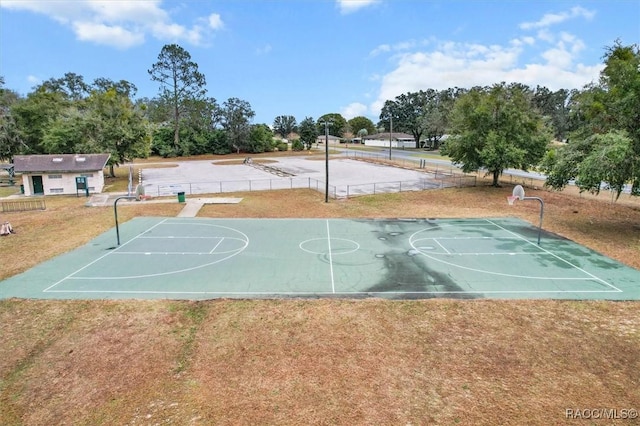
(332, 139)
(57, 173)
(398, 140)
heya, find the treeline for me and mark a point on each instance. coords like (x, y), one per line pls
(490, 128)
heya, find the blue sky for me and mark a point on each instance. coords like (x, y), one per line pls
(312, 57)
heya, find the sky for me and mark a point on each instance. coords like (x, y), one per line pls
(308, 58)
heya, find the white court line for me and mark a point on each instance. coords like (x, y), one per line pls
(216, 246)
(173, 237)
(101, 257)
(162, 253)
(290, 293)
(432, 256)
(443, 247)
(557, 257)
(333, 285)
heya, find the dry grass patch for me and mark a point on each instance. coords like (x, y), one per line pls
(317, 362)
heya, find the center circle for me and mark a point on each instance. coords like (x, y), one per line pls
(333, 246)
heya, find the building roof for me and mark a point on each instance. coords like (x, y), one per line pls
(60, 162)
(394, 135)
(331, 137)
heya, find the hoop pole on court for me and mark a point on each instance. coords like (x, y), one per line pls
(115, 213)
(518, 194)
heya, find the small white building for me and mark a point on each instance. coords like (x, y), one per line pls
(61, 173)
(398, 140)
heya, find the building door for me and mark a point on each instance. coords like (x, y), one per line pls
(38, 187)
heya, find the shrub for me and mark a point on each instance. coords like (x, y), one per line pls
(297, 145)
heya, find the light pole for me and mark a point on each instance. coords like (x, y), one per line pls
(390, 132)
(326, 159)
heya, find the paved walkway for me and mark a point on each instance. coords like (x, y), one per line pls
(191, 206)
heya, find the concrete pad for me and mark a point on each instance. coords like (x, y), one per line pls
(194, 205)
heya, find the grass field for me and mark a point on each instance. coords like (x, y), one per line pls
(320, 361)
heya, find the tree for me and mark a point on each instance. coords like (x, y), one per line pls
(118, 128)
(180, 83)
(435, 114)
(283, 125)
(358, 123)
(554, 106)
(122, 87)
(605, 145)
(10, 141)
(236, 121)
(308, 131)
(104, 122)
(338, 124)
(34, 115)
(496, 128)
(407, 112)
(72, 86)
(260, 138)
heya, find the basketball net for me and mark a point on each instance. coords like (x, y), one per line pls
(512, 199)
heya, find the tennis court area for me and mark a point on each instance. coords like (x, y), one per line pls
(200, 258)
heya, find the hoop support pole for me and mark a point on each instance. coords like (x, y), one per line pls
(115, 213)
(541, 213)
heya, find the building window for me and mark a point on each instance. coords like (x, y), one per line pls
(87, 175)
(55, 176)
(56, 190)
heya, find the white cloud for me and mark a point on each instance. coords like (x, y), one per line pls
(33, 80)
(264, 49)
(215, 21)
(355, 109)
(350, 6)
(110, 35)
(556, 18)
(549, 59)
(398, 47)
(119, 24)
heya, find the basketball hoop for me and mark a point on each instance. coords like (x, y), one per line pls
(518, 194)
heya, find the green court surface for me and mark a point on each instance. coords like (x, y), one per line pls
(198, 258)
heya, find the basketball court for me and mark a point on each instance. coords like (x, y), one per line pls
(200, 258)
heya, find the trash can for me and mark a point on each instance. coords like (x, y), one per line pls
(181, 197)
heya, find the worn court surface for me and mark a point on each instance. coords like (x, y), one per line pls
(198, 258)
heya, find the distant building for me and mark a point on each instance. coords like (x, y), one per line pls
(332, 139)
(398, 140)
(57, 173)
